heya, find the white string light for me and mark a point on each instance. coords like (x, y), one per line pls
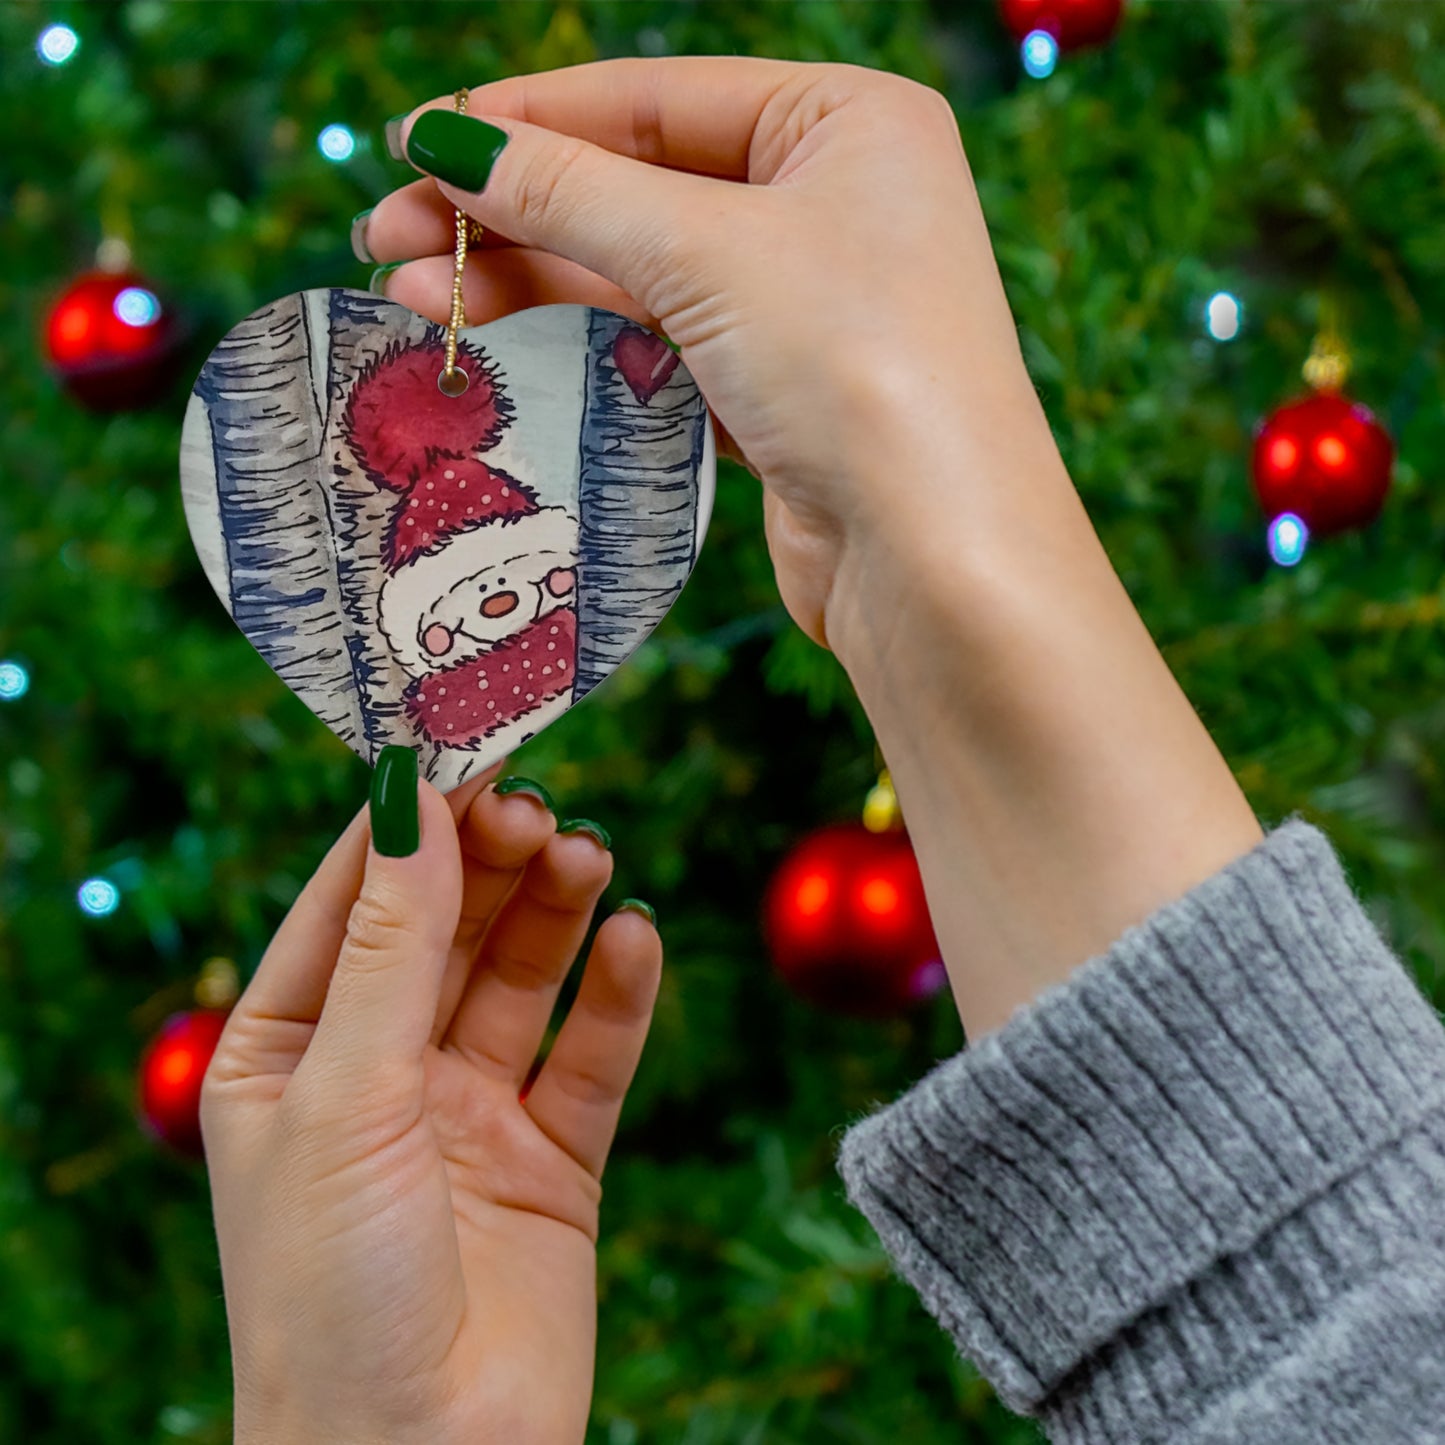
(1223, 316)
(336, 143)
(1040, 54)
(1288, 538)
(98, 897)
(57, 44)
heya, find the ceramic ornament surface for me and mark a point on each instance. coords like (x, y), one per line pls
(447, 573)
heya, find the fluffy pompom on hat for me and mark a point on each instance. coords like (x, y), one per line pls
(397, 421)
(412, 438)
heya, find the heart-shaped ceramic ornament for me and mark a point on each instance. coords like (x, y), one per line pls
(447, 572)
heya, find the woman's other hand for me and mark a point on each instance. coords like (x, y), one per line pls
(408, 1246)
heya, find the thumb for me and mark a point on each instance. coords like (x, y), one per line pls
(639, 226)
(382, 1000)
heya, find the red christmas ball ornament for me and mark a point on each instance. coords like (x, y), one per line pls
(1326, 459)
(111, 341)
(847, 923)
(1073, 23)
(171, 1071)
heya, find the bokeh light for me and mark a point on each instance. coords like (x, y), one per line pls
(813, 894)
(1040, 52)
(1282, 455)
(1223, 316)
(137, 307)
(14, 681)
(1288, 538)
(879, 897)
(98, 897)
(336, 143)
(57, 44)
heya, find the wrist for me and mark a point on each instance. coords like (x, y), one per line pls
(950, 520)
(1057, 784)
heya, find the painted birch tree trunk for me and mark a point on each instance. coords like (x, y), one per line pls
(637, 495)
(360, 327)
(265, 421)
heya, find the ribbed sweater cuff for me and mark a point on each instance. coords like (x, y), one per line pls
(1111, 1164)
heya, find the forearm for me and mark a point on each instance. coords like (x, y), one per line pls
(1056, 782)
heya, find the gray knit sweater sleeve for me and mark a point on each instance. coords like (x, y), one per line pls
(1197, 1191)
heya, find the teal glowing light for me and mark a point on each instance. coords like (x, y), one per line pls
(1040, 53)
(98, 897)
(336, 143)
(57, 44)
(14, 681)
(1288, 538)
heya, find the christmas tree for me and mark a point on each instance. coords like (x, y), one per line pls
(1180, 215)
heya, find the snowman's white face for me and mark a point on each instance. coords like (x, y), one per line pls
(483, 586)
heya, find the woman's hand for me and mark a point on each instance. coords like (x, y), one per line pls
(843, 297)
(408, 1248)
(811, 237)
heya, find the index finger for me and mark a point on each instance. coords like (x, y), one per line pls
(695, 113)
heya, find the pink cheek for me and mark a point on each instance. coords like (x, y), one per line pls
(561, 581)
(437, 640)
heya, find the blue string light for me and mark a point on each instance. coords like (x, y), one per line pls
(1288, 538)
(136, 306)
(98, 897)
(1040, 53)
(336, 143)
(57, 44)
(14, 681)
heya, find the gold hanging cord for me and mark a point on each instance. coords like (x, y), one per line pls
(453, 381)
(1328, 366)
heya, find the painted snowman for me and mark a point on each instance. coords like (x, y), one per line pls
(478, 601)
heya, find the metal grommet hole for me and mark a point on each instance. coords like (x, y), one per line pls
(452, 383)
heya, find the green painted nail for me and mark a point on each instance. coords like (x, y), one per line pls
(393, 136)
(586, 825)
(395, 826)
(377, 285)
(359, 248)
(636, 905)
(455, 148)
(525, 785)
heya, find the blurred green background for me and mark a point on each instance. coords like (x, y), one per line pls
(1291, 154)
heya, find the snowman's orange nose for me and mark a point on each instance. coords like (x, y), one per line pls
(499, 604)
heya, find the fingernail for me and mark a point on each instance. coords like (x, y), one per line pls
(393, 136)
(525, 785)
(455, 148)
(636, 905)
(359, 248)
(586, 825)
(395, 826)
(377, 286)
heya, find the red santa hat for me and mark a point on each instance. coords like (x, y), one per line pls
(450, 496)
(411, 438)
